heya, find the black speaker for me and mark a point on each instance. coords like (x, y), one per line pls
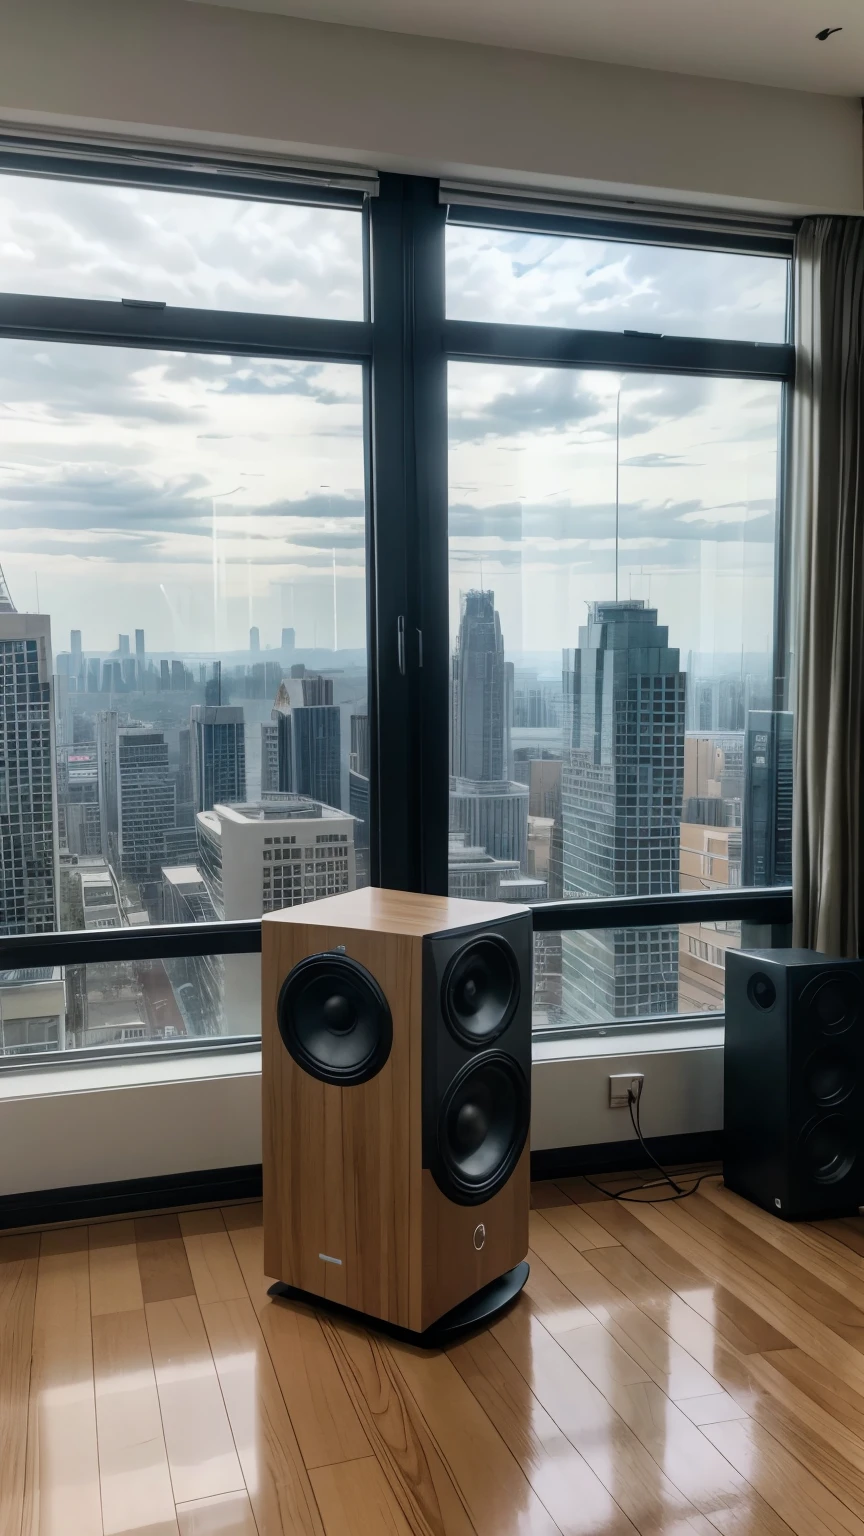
(793, 1138)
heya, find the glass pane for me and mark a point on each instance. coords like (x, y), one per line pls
(80, 240)
(611, 609)
(182, 643)
(612, 976)
(118, 1005)
(609, 285)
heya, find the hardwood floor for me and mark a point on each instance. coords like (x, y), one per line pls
(672, 1369)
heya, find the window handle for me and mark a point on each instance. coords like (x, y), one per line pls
(400, 643)
(420, 648)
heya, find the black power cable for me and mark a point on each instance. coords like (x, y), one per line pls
(627, 1195)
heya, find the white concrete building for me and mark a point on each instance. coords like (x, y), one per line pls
(274, 853)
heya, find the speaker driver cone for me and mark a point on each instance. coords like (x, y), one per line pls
(828, 1148)
(334, 1019)
(482, 1127)
(832, 1002)
(480, 990)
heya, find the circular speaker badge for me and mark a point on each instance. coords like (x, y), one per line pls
(479, 1236)
(334, 1020)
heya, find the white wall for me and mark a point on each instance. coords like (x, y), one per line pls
(184, 70)
(82, 1126)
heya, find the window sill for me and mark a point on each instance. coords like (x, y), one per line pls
(628, 1043)
(110, 1076)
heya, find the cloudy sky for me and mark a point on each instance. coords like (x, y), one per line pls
(197, 495)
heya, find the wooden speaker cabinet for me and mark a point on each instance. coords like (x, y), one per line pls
(396, 1071)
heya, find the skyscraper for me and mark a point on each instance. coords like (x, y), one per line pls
(145, 800)
(622, 783)
(218, 743)
(106, 763)
(316, 752)
(76, 666)
(479, 692)
(140, 658)
(288, 640)
(277, 756)
(28, 795)
(254, 638)
(317, 690)
(123, 645)
(485, 803)
(766, 854)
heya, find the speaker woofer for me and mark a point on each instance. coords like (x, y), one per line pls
(480, 990)
(482, 1127)
(828, 1148)
(334, 1019)
(832, 1002)
(830, 1075)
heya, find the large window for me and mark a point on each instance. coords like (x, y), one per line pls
(612, 541)
(225, 648)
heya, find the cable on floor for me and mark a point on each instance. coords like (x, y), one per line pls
(628, 1196)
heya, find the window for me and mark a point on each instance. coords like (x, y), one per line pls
(227, 618)
(183, 529)
(612, 539)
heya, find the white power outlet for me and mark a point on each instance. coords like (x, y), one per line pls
(621, 1085)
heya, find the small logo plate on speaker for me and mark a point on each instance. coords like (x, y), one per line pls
(479, 1236)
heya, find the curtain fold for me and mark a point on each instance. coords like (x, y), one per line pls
(827, 584)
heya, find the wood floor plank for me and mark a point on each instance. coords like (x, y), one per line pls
(415, 1467)
(587, 1275)
(201, 1454)
(843, 1406)
(731, 1319)
(840, 1307)
(236, 1217)
(546, 1193)
(801, 1500)
(276, 1479)
(115, 1284)
(133, 1464)
(325, 1419)
(355, 1499)
(638, 1484)
(559, 1475)
(750, 1390)
(61, 1496)
(212, 1261)
(848, 1230)
(787, 1314)
(498, 1495)
(552, 1300)
(162, 1262)
(19, 1261)
(579, 1227)
(794, 1242)
(229, 1514)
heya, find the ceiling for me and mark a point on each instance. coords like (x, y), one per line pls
(771, 42)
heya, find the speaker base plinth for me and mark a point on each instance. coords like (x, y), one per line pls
(475, 1312)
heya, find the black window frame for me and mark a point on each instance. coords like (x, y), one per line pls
(403, 344)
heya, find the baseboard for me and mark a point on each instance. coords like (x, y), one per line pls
(614, 1156)
(89, 1202)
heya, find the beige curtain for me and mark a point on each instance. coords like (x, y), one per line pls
(827, 585)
